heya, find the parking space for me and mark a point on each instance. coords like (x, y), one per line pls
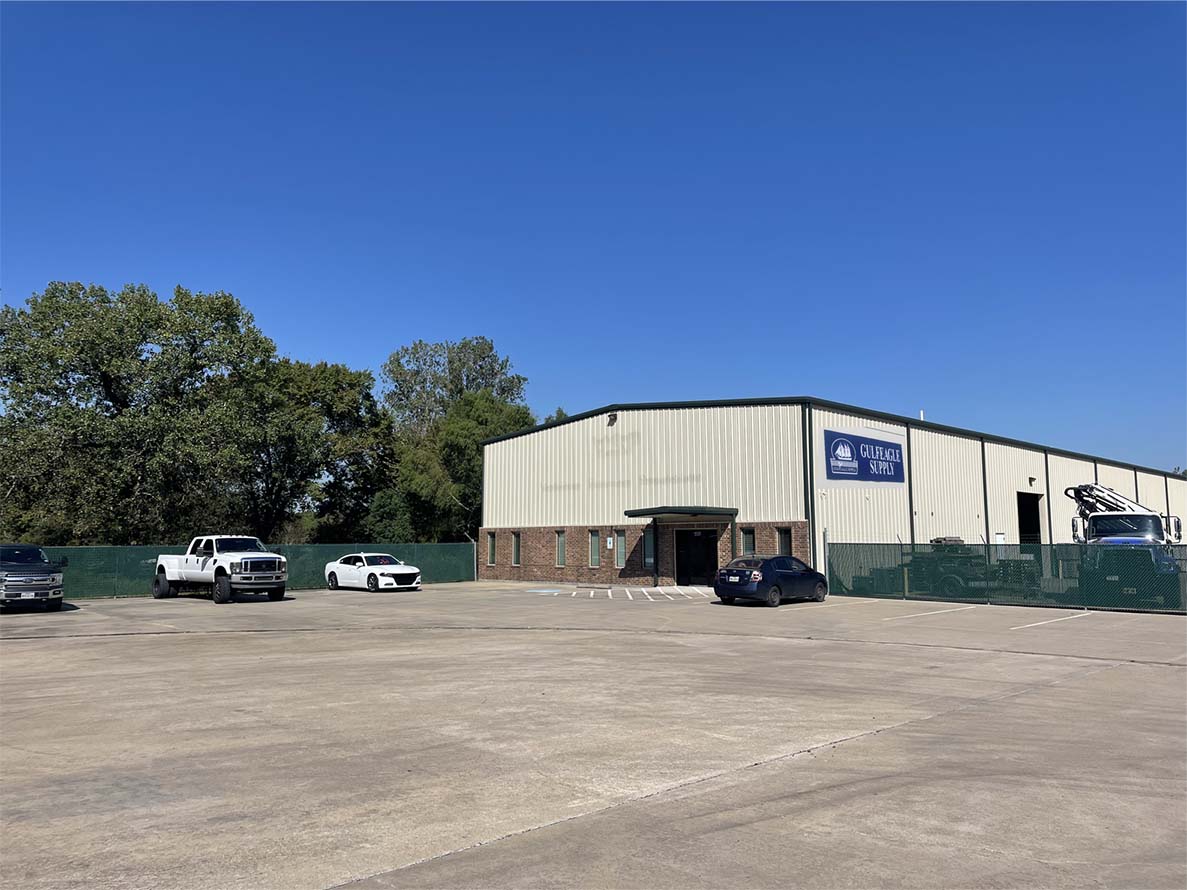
(515, 734)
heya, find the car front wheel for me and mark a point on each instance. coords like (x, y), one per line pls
(222, 589)
(820, 593)
(276, 593)
(372, 583)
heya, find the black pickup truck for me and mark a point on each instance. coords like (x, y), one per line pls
(28, 576)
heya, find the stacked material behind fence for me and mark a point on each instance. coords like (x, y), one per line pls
(128, 571)
(1104, 576)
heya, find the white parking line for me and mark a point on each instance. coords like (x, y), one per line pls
(669, 597)
(591, 593)
(574, 593)
(648, 595)
(1052, 620)
(921, 614)
(610, 592)
(683, 594)
(628, 595)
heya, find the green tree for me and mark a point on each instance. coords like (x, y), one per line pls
(424, 379)
(556, 416)
(110, 428)
(440, 474)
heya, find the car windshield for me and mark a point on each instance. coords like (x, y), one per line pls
(1128, 526)
(382, 559)
(239, 545)
(746, 562)
(23, 556)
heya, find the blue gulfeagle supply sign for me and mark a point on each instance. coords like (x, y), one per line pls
(861, 459)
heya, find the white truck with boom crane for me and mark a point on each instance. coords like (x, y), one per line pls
(1132, 563)
(1108, 517)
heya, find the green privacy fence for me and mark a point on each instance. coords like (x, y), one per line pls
(128, 571)
(1104, 576)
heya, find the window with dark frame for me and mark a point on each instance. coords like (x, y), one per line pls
(515, 548)
(560, 548)
(784, 542)
(619, 549)
(747, 541)
(490, 548)
(649, 547)
(595, 548)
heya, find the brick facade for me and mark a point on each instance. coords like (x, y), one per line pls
(538, 551)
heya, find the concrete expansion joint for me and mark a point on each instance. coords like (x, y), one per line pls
(719, 774)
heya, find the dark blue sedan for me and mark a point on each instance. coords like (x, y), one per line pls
(769, 579)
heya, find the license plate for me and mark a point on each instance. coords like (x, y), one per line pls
(1129, 591)
(28, 595)
(1113, 578)
(733, 579)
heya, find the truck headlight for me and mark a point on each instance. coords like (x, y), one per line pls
(56, 578)
(236, 568)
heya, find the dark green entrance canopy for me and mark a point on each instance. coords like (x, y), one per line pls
(687, 514)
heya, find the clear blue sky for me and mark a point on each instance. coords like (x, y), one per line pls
(974, 209)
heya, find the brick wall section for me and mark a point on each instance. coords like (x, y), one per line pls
(538, 552)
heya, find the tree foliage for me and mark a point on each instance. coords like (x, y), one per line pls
(130, 419)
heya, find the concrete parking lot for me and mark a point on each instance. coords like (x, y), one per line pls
(498, 735)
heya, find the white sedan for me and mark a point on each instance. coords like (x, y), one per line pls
(374, 571)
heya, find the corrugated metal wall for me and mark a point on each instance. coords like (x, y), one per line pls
(947, 486)
(1066, 472)
(854, 511)
(1009, 470)
(588, 472)
(1152, 492)
(1178, 495)
(1120, 479)
(751, 457)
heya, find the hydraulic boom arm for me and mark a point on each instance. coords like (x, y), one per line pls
(1094, 498)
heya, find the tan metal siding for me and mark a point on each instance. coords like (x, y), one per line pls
(858, 512)
(949, 500)
(1178, 496)
(1120, 479)
(1008, 470)
(1065, 472)
(588, 472)
(1152, 492)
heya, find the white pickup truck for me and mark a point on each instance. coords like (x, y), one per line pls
(224, 565)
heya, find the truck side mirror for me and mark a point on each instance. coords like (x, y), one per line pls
(1176, 529)
(1078, 529)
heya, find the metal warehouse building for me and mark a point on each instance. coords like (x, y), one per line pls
(666, 492)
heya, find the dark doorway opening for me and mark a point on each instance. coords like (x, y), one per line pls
(696, 556)
(1030, 526)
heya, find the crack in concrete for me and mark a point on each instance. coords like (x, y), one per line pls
(719, 774)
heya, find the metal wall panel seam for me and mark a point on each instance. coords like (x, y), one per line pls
(985, 492)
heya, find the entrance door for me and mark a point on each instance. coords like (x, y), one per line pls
(696, 556)
(1030, 526)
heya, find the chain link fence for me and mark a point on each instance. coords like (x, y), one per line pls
(1104, 576)
(128, 571)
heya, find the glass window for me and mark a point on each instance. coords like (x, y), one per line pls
(747, 540)
(797, 566)
(23, 556)
(595, 548)
(785, 541)
(619, 549)
(649, 547)
(560, 548)
(240, 545)
(745, 562)
(490, 548)
(515, 548)
(382, 559)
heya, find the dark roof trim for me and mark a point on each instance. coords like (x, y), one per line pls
(682, 511)
(915, 423)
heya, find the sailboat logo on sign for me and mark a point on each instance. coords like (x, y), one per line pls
(843, 459)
